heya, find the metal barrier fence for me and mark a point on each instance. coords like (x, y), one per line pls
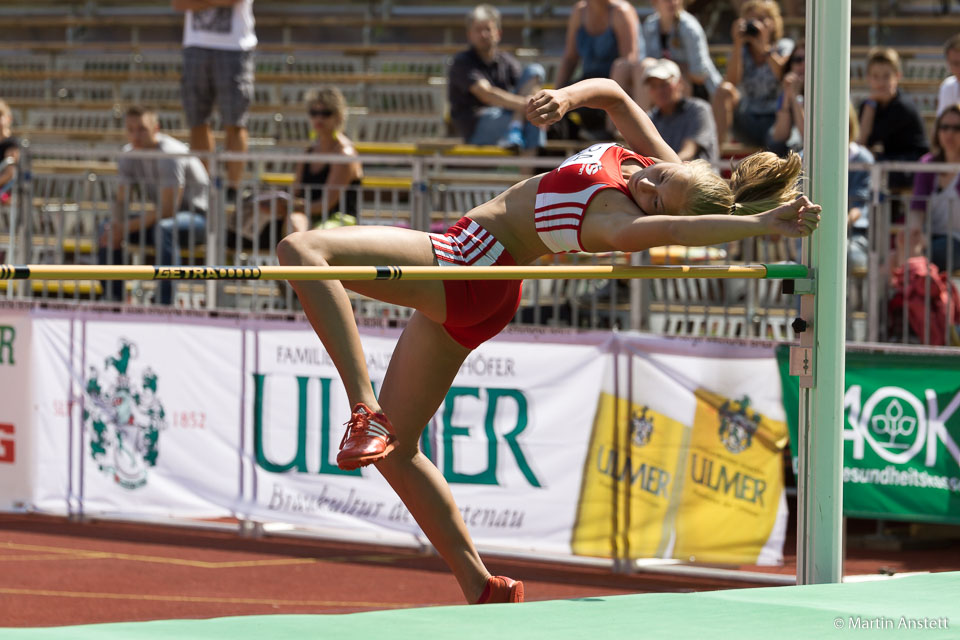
(62, 199)
(910, 288)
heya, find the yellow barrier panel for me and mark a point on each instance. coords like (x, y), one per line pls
(372, 182)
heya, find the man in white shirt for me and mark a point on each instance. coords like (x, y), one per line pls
(173, 196)
(218, 45)
(950, 87)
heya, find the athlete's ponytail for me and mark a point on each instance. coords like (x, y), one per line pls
(763, 181)
(760, 182)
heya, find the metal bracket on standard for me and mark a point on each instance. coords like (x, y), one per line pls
(800, 286)
(801, 356)
(801, 362)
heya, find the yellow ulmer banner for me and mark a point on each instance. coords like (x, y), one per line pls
(703, 485)
(633, 463)
(733, 484)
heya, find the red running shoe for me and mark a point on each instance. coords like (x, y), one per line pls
(501, 589)
(369, 437)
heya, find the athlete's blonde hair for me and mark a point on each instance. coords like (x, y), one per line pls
(761, 182)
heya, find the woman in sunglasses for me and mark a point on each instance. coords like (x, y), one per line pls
(325, 193)
(938, 194)
(329, 190)
(604, 198)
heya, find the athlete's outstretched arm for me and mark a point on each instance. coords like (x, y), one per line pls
(795, 220)
(547, 107)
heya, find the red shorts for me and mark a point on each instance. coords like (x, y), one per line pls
(477, 310)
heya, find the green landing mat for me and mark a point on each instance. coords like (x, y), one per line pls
(920, 606)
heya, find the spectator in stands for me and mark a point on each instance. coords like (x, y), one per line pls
(604, 198)
(9, 149)
(747, 99)
(787, 131)
(604, 38)
(329, 189)
(938, 194)
(173, 190)
(672, 33)
(218, 45)
(326, 194)
(488, 88)
(890, 125)
(686, 124)
(949, 94)
(858, 197)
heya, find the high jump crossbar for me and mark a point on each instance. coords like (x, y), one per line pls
(148, 272)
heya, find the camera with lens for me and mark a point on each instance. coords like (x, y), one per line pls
(752, 28)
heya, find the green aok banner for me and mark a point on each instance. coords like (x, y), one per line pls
(901, 434)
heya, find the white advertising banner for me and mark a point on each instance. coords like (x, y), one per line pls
(15, 446)
(161, 418)
(511, 428)
(137, 417)
(55, 429)
(594, 444)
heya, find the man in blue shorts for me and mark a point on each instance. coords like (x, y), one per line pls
(488, 88)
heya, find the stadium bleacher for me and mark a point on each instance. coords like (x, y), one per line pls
(388, 57)
(68, 70)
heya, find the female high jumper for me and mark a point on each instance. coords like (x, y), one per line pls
(604, 198)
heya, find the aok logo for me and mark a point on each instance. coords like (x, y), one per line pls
(8, 452)
(897, 425)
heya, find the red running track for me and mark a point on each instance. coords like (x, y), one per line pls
(55, 572)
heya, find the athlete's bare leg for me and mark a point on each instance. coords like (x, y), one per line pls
(411, 392)
(327, 305)
(421, 371)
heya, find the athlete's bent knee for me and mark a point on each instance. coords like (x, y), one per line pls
(287, 251)
(299, 248)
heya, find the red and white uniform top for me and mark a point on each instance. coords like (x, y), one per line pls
(564, 194)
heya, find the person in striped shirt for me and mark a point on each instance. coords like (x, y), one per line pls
(604, 198)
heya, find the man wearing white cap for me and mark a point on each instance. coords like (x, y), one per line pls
(686, 124)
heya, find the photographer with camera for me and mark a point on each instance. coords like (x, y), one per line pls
(747, 99)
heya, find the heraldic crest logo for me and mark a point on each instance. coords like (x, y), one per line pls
(124, 418)
(641, 427)
(737, 427)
